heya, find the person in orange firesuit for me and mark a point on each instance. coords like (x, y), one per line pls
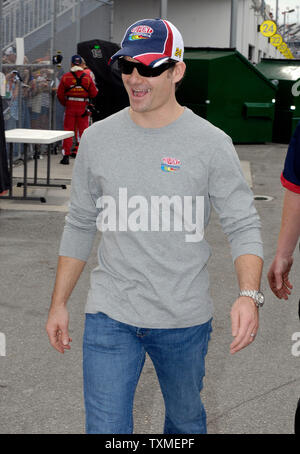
(75, 89)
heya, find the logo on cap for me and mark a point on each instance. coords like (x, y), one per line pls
(140, 32)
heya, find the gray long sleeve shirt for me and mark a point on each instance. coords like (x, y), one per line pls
(150, 191)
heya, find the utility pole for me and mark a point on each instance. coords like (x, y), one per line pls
(285, 20)
(276, 12)
(163, 9)
(1, 33)
(109, 3)
(233, 23)
(111, 21)
(263, 9)
(52, 108)
(53, 27)
(78, 17)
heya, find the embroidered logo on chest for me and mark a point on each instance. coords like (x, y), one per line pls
(170, 164)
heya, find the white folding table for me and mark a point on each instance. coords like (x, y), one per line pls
(32, 136)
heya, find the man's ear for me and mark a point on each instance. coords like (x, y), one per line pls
(179, 70)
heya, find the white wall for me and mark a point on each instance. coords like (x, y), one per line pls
(96, 25)
(93, 26)
(248, 22)
(203, 23)
(127, 12)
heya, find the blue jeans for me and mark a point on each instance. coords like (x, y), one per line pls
(113, 358)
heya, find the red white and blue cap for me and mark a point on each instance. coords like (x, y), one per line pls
(151, 42)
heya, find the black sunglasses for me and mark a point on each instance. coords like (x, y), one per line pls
(126, 67)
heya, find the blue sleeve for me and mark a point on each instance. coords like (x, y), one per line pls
(290, 177)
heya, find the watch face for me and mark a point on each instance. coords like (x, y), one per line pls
(260, 298)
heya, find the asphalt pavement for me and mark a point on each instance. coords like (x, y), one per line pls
(252, 392)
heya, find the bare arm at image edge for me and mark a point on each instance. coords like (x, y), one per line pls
(278, 274)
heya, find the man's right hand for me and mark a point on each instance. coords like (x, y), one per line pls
(67, 274)
(57, 328)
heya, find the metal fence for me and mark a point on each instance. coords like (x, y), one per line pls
(29, 100)
(31, 33)
(35, 21)
(48, 25)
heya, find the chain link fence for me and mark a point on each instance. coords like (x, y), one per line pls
(32, 32)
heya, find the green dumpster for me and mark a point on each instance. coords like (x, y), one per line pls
(284, 73)
(223, 87)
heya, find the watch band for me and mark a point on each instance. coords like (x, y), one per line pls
(256, 295)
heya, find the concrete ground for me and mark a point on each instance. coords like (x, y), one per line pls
(252, 392)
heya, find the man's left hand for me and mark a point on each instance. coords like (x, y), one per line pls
(244, 321)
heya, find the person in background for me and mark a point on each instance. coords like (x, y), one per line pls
(74, 91)
(88, 71)
(22, 77)
(39, 91)
(59, 108)
(11, 112)
(278, 275)
(9, 56)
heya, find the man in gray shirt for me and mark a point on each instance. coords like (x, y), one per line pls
(146, 177)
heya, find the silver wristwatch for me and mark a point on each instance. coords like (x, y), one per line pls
(257, 296)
